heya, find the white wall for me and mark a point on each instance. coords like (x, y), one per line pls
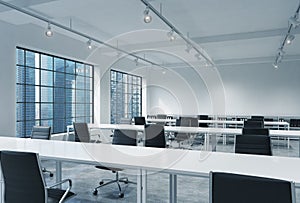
(247, 89)
(261, 89)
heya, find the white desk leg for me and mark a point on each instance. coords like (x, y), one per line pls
(141, 186)
(173, 188)
(58, 172)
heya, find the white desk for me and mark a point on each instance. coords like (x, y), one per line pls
(172, 161)
(206, 131)
(224, 122)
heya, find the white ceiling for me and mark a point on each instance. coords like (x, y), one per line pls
(230, 31)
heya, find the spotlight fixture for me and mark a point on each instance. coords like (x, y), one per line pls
(188, 48)
(147, 17)
(136, 60)
(275, 64)
(171, 35)
(197, 55)
(289, 39)
(294, 21)
(49, 32)
(89, 44)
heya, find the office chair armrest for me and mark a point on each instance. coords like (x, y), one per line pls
(67, 190)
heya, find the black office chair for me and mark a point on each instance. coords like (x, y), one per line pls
(253, 123)
(81, 132)
(257, 118)
(253, 144)
(120, 137)
(185, 137)
(255, 131)
(155, 136)
(203, 117)
(124, 137)
(43, 133)
(235, 188)
(24, 181)
(139, 120)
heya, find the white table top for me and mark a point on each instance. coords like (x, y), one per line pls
(178, 161)
(218, 121)
(227, 131)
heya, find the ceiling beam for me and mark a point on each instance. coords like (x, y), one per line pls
(243, 36)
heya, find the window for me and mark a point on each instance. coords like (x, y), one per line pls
(126, 96)
(51, 91)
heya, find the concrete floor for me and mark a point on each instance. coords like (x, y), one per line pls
(190, 189)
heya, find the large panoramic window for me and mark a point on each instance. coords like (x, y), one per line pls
(51, 91)
(126, 95)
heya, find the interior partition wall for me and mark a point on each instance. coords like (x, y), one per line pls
(51, 91)
(126, 96)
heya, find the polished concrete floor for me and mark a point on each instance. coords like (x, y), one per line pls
(190, 189)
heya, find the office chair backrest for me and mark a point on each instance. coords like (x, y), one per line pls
(41, 132)
(124, 137)
(257, 118)
(203, 117)
(155, 136)
(255, 131)
(253, 124)
(140, 120)
(81, 132)
(235, 188)
(188, 121)
(23, 177)
(253, 144)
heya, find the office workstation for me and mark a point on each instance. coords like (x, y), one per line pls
(195, 88)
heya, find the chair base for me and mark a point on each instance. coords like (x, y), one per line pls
(118, 180)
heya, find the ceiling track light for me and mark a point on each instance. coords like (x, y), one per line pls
(188, 48)
(136, 60)
(89, 44)
(294, 21)
(49, 32)
(199, 50)
(289, 39)
(147, 16)
(171, 35)
(71, 30)
(197, 55)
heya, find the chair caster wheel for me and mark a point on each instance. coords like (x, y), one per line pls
(51, 174)
(95, 192)
(121, 195)
(101, 182)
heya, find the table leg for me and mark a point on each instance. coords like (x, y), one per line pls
(141, 186)
(58, 172)
(173, 188)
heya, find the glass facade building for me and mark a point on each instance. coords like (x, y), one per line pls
(126, 96)
(51, 91)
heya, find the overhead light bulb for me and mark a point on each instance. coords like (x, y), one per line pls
(289, 39)
(49, 32)
(275, 64)
(89, 44)
(147, 17)
(294, 21)
(136, 61)
(188, 48)
(171, 35)
(197, 55)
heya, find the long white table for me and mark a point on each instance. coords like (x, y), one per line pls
(207, 131)
(143, 160)
(223, 122)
